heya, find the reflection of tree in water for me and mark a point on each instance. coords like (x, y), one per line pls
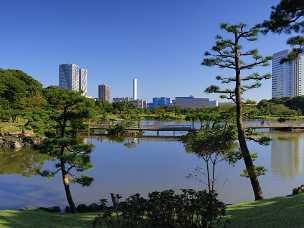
(24, 162)
(286, 156)
(128, 142)
(131, 143)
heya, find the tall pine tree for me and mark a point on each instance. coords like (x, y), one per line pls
(228, 53)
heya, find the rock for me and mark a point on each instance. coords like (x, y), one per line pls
(16, 145)
(17, 140)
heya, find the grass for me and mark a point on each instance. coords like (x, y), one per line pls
(275, 212)
(36, 218)
(11, 127)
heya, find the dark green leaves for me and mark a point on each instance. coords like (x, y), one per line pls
(83, 180)
(288, 17)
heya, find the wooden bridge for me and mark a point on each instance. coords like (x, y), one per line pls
(148, 128)
(254, 124)
(274, 124)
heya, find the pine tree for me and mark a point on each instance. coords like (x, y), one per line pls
(228, 53)
(71, 154)
(288, 17)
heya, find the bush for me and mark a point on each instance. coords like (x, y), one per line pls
(116, 130)
(190, 209)
(298, 190)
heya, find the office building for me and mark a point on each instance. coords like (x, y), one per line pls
(69, 76)
(139, 103)
(287, 78)
(104, 93)
(160, 101)
(83, 81)
(135, 88)
(192, 102)
(74, 78)
(121, 99)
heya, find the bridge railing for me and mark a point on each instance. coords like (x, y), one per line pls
(274, 124)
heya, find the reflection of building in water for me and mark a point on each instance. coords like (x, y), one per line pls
(286, 154)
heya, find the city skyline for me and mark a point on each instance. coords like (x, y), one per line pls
(121, 38)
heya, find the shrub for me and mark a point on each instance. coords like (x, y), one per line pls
(117, 129)
(189, 209)
(298, 190)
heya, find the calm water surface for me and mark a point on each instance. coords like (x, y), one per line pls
(143, 165)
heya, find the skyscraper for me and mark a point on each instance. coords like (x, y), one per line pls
(69, 76)
(104, 93)
(74, 78)
(287, 78)
(83, 81)
(135, 89)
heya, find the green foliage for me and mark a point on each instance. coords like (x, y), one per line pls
(118, 129)
(229, 53)
(260, 171)
(209, 141)
(288, 17)
(223, 55)
(68, 113)
(213, 143)
(279, 212)
(190, 209)
(24, 162)
(287, 106)
(15, 86)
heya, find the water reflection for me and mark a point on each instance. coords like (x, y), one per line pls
(24, 162)
(130, 165)
(286, 154)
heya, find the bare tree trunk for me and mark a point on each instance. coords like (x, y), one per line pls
(241, 135)
(208, 175)
(65, 179)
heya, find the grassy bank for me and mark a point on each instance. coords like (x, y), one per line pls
(33, 218)
(276, 212)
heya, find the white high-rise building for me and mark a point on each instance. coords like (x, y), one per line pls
(135, 89)
(74, 78)
(83, 81)
(287, 78)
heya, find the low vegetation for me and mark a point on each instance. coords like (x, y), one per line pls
(279, 212)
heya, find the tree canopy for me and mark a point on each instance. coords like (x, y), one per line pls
(288, 17)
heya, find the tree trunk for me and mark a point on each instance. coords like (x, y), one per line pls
(65, 175)
(241, 135)
(65, 179)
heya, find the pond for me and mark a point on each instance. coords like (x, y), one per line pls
(147, 164)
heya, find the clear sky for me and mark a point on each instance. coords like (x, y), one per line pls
(159, 41)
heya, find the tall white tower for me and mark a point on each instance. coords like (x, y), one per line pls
(135, 89)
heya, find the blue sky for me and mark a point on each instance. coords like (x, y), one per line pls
(159, 41)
